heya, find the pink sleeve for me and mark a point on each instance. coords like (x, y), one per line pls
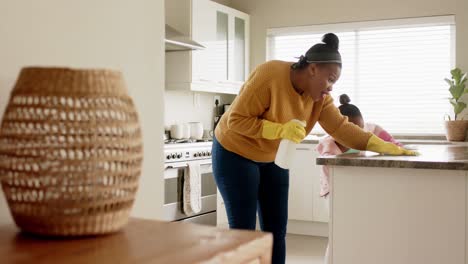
(384, 135)
(327, 146)
(381, 133)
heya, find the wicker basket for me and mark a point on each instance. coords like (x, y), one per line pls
(70, 152)
(456, 130)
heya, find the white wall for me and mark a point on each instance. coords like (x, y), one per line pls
(267, 14)
(118, 34)
(182, 107)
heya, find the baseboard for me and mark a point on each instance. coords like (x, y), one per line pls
(308, 228)
(298, 227)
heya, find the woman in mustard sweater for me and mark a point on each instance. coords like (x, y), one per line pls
(248, 135)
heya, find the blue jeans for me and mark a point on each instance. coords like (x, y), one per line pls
(248, 187)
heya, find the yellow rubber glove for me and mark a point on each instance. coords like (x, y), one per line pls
(293, 130)
(378, 145)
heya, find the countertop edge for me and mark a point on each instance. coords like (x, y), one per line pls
(401, 164)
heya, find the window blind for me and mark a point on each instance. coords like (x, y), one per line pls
(392, 70)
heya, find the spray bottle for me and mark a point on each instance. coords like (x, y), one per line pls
(286, 150)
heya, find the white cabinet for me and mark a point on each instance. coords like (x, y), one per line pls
(399, 215)
(222, 66)
(305, 202)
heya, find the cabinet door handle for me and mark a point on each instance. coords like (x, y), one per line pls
(303, 149)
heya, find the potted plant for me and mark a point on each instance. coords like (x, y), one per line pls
(456, 129)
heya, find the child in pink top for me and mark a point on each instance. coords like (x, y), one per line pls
(328, 146)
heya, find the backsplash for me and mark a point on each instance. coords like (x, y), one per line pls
(182, 107)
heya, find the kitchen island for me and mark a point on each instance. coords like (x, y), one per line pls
(386, 209)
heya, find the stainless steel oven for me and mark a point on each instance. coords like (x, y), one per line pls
(177, 158)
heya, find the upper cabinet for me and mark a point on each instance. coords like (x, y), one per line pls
(222, 66)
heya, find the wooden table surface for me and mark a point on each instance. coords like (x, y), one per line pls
(141, 241)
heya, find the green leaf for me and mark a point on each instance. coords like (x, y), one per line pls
(463, 78)
(456, 74)
(456, 91)
(459, 107)
(448, 81)
(457, 85)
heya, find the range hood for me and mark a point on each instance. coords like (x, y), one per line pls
(176, 41)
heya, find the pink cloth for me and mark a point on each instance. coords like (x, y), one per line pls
(328, 147)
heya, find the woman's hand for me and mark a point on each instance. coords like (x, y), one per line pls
(293, 130)
(378, 145)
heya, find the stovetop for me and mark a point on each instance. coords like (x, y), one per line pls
(181, 141)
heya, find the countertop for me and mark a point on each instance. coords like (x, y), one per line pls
(450, 156)
(314, 139)
(141, 241)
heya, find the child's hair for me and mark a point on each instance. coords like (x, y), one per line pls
(348, 109)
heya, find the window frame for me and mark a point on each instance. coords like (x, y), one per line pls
(367, 26)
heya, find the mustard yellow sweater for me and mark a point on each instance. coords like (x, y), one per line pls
(268, 94)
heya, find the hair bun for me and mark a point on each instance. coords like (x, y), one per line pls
(344, 99)
(331, 40)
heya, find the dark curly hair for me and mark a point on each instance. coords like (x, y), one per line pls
(326, 52)
(348, 109)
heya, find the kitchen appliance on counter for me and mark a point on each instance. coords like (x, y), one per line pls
(226, 107)
(191, 130)
(219, 112)
(196, 130)
(177, 157)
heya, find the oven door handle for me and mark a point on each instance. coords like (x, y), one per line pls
(184, 165)
(169, 172)
(176, 166)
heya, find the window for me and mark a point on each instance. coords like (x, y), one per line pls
(393, 70)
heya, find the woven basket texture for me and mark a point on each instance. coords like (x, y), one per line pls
(70, 151)
(456, 130)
